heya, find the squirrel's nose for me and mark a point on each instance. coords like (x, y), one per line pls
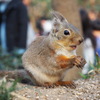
(81, 40)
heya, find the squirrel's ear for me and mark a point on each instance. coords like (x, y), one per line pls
(58, 20)
(56, 25)
(58, 16)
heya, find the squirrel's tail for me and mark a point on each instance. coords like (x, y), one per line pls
(14, 74)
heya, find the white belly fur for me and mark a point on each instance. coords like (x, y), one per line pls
(65, 52)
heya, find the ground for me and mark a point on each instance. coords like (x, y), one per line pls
(85, 90)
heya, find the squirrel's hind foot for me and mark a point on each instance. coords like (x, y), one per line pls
(66, 84)
(48, 85)
(60, 83)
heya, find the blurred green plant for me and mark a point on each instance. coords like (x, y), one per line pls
(94, 69)
(85, 76)
(5, 90)
(10, 61)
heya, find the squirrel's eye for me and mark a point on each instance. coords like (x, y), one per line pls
(66, 32)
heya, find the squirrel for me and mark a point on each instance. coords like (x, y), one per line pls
(49, 59)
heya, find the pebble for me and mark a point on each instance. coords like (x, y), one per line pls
(85, 90)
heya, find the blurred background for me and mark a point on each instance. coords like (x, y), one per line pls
(21, 21)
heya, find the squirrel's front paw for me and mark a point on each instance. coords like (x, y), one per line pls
(79, 61)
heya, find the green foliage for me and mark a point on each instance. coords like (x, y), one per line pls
(84, 76)
(10, 61)
(94, 69)
(5, 92)
(97, 62)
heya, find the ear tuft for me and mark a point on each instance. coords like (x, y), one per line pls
(56, 24)
(58, 16)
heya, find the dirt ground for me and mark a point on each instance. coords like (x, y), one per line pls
(85, 90)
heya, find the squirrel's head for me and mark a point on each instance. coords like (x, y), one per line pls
(64, 34)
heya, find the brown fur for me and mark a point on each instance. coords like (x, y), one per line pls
(50, 59)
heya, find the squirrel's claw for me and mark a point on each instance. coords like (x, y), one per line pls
(71, 85)
(49, 85)
(60, 83)
(79, 62)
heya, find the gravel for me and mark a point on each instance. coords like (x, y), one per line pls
(85, 90)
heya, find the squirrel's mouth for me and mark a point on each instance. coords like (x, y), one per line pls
(73, 46)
